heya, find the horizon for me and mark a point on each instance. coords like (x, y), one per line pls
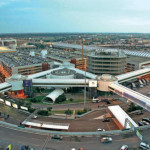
(76, 33)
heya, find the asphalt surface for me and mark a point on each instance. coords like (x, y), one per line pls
(89, 143)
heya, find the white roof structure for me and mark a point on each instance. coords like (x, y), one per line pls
(121, 115)
(48, 125)
(85, 73)
(127, 52)
(41, 74)
(53, 95)
(137, 53)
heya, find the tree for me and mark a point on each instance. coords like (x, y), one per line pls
(68, 112)
(60, 99)
(49, 108)
(71, 99)
(20, 103)
(43, 112)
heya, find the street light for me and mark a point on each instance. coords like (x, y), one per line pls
(84, 68)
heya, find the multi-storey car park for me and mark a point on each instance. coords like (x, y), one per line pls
(106, 62)
(21, 62)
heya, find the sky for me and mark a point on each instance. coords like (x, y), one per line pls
(37, 16)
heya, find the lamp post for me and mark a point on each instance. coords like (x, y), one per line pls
(84, 68)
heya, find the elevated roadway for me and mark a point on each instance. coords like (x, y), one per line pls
(131, 95)
(133, 75)
(5, 87)
(60, 82)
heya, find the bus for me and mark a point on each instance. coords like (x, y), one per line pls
(141, 83)
(144, 82)
(133, 86)
(147, 81)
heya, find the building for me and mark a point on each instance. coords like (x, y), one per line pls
(21, 62)
(79, 63)
(6, 50)
(135, 63)
(11, 43)
(108, 61)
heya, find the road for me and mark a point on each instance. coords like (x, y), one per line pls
(88, 143)
(77, 105)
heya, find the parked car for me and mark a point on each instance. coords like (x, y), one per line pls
(56, 137)
(140, 123)
(81, 148)
(144, 146)
(106, 139)
(146, 119)
(26, 147)
(148, 93)
(105, 100)
(106, 120)
(34, 117)
(124, 147)
(145, 123)
(99, 129)
(139, 113)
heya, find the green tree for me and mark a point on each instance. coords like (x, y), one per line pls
(71, 99)
(68, 112)
(60, 99)
(43, 112)
(49, 108)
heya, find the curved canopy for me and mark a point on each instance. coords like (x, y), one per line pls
(53, 95)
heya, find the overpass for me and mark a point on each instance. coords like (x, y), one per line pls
(133, 75)
(131, 95)
(5, 87)
(60, 82)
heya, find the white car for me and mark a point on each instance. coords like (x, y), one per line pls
(106, 139)
(145, 123)
(124, 147)
(144, 146)
(34, 117)
(99, 129)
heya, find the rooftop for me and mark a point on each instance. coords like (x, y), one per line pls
(3, 48)
(20, 58)
(137, 59)
(108, 53)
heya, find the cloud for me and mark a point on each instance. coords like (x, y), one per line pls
(3, 4)
(127, 21)
(138, 5)
(25, 8)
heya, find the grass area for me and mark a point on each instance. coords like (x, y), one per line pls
(58, 111)
(39, 98)
(63, 111)
(82, 111)
(74, 101)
